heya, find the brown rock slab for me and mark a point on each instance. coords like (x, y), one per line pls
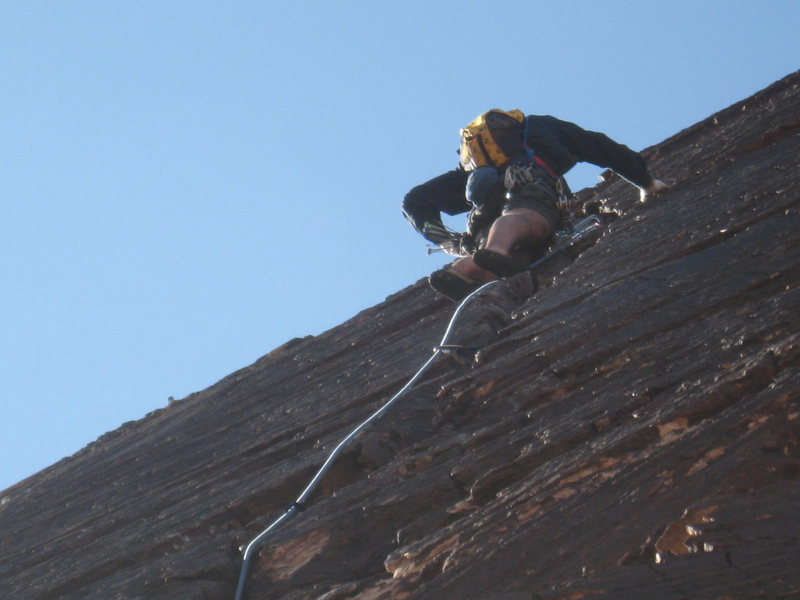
(632, 430)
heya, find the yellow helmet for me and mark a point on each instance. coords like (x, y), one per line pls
(491, 139)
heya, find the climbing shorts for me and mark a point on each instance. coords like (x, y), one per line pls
(538, 194)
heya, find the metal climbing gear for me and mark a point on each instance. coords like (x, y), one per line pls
(573, 235)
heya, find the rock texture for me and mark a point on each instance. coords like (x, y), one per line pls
(630, 431)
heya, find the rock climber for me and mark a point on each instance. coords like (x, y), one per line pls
(509, 179)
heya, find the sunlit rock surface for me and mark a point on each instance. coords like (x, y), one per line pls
(630, 431)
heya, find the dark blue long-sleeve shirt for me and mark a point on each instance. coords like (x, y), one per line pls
(560, 144)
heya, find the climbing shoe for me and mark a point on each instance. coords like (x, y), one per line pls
(499, 264)
(451, 285)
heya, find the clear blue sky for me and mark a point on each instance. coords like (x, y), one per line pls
(187, 185)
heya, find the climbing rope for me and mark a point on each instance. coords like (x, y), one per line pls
(588, 227)
(299, 504)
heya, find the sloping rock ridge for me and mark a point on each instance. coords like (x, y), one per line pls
(630, 431)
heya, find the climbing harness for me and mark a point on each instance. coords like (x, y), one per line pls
(589, 226)
(532, 153)
(568, 204)
(299, 504)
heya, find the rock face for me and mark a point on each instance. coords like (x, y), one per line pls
(630, 431)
